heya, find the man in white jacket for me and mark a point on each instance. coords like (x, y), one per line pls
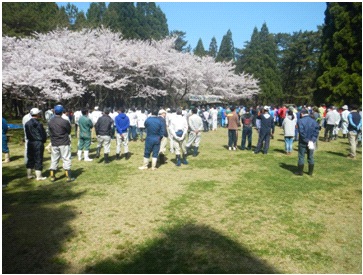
(195, 134)
(178, 129)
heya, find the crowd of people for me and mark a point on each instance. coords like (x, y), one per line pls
(180, 128)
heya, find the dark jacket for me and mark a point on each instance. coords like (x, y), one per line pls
(154, 128)
(59, 130)
(267, 123)
(308, 129)
(34, 131)
(104, 125)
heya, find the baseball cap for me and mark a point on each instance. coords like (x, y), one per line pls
(58, 109)
(34, 111)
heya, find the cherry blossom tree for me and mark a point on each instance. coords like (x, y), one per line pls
(63, 64)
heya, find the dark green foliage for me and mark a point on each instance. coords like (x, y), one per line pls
(298, 61)
(213, 48)
(226, 50)
(180, 42)
(199, 50)
(340, 68)
(23, 18)
(95, 14)
(260, 58)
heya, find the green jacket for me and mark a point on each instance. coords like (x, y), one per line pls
(85, 125)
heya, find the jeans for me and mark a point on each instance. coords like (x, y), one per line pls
(132, 132)
(232, 138)
(263, 138)
(303, 149)
(288, 144)
(246, 134)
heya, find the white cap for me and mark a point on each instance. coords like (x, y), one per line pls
(266, 108)
(34, 111)
(96, 108)
(162, 111)
(345, 107)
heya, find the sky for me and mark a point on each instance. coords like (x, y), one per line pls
(206, 20)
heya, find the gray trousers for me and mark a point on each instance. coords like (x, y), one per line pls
(125, 142)
(106, 142)
(58, 152)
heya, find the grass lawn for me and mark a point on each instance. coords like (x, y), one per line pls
(225, 212)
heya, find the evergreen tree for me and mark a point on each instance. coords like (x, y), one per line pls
(340, 68)
(298, 61)
(199, 49)
(260, 58)
(226, 50)
(24, 18)
(80, 21)
(180, 41)
(152, 21)
(95, 14)
(72, 12)
(213, 48)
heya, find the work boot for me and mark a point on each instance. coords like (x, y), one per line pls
(311, 169)
(162, 158)
(79, 154)
(29, 173)
(86, 157)
(145, 164)
(127, 156)
(98, 151)
(184, 160)
(188, 150)
(39, 176)
(52, 175)
(178, 160)
(300, 169)
(107, 160)
(195, 152)
(69, 176)
(7, 157)
(153, 163)
(118, 156)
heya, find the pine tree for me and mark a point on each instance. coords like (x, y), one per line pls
(95, 14)
(180, 42)
(260, 59)
(213, 48)
(199, 49)
(226, 50)
(24, 18)
(340, 68)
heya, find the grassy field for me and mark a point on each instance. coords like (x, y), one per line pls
(225, 212)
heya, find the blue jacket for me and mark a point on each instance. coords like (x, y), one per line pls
(355, 121)
(154, 128)
(308, 129)
(122, 123)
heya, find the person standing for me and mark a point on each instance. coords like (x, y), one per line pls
(5, 140)
(103, 129)
(289, 126)
(308, 135)
(332, 119)
(164, 140)
(133, 122)
(36, 137)
(195, 127)
(232, 125)
(48, 116)
(154, 133)
(178, 129)
(265, 131)
(122, 123)
(84, 141)
(354, 129)
(214, 115)
(141, 118)
(345, 121)
(94, 116)
(25, 119)
(282, 114)
(59, 130)
(77, 115)
(247, 123)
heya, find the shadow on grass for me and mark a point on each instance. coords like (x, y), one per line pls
(289, 167)
(35, 227)
(186, 249)
(337, 153)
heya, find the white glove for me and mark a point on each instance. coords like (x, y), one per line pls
(311, 145)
